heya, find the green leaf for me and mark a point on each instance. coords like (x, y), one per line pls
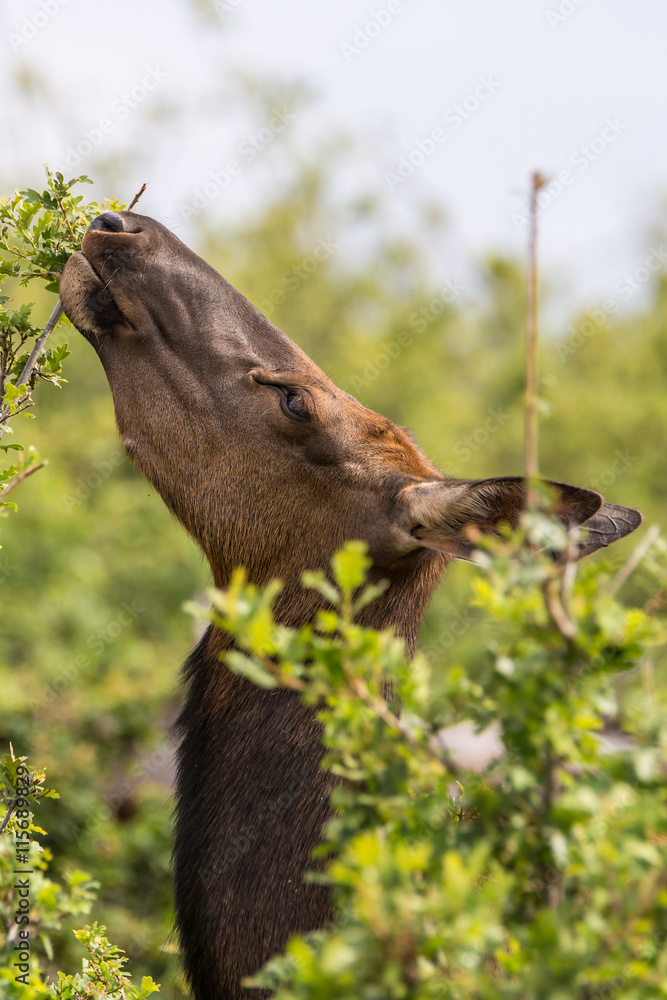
(351, 565)
(318, 581)
(148, 986)
(247, 667)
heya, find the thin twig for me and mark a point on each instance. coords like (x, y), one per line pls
(20, 476)
(65, 216)
(552, 889)
(532, 465)
(557, 595)
(136, 197)
(558, 611)
(648, 679)
(34, 356)
(570, 567)
(439, 754)
(8, 815)
(633, 562)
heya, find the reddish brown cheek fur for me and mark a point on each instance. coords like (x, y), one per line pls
(179, 346)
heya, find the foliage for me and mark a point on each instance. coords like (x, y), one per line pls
(32, 905)
(90, 688)
(38, 233)
(543, 877)
(103, 974)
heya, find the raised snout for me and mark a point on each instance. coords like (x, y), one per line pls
(103, 287)
(108, 222)
(114, 223)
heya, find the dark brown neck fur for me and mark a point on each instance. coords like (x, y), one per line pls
(254, 800)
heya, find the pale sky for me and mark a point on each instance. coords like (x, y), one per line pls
(464, 100)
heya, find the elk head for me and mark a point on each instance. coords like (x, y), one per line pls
(265, 461)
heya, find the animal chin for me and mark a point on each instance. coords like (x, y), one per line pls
(87, 300)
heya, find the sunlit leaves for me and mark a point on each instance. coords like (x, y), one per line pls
(38, 234)
(544, 875)
(103, 975)
(23, 857)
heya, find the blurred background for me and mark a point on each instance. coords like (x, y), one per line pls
(361, 173)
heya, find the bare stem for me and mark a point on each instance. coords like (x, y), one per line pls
(532, 468)
(66, 218)
(552, 889)
(439, 754)
(34, 356)
(20, 476)
(648, 680)
(570, 567)
(557, 591)
(136, 197)
(558, 611)
(635, 558)
(8, 815)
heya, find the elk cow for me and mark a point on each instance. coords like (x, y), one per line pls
(270, 466)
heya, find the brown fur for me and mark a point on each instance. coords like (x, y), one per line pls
(270, 466)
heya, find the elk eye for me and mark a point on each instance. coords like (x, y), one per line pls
(293, 404)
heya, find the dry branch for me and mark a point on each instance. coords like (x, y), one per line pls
(532, 464)
(30, 364)
(136, 197)
(635, 558)
(20, 476)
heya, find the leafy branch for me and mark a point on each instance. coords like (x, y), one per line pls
(102, 975)
(38, 234)
(475, 894)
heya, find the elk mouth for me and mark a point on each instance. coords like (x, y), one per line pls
(87, 299)
(94, 299)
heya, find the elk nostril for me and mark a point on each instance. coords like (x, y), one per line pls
(108, 222)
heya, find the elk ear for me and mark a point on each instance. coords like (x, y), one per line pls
(448, 516)
(608, 525)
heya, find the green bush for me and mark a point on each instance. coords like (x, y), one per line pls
(90, 618)
(38, 233)
(542, 878)
(33, 906)
(542, 874)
